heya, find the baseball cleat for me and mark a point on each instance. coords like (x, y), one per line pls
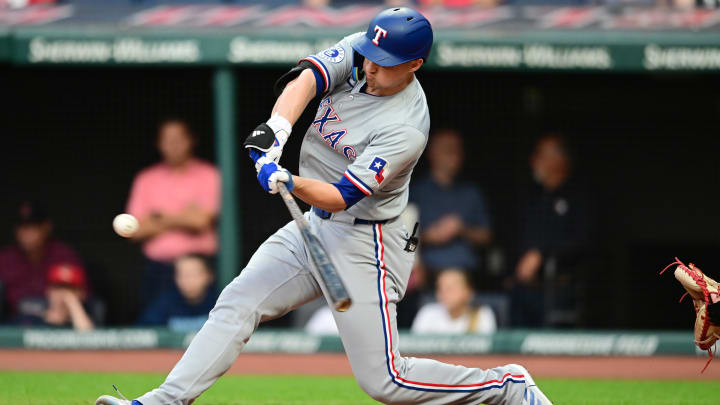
(533, 395)
(110, 400)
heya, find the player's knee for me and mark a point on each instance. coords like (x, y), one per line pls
(230, 309)
(377, 393)
(381, 391)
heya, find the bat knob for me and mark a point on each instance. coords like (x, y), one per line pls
(343, 305)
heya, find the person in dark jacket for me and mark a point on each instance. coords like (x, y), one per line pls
(557, 235)
(454, 219)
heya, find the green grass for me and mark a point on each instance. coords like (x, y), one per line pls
(25, 388)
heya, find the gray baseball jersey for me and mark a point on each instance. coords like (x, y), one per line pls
(366, 145)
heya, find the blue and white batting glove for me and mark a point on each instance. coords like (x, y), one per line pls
(271, 173)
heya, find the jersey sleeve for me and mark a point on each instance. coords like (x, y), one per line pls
(334, 65)
(391, 153)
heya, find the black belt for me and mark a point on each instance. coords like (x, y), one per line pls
(326, 215)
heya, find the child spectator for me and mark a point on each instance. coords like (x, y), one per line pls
(322, 323)
(65, 303)
(186, 307)
(454, 312)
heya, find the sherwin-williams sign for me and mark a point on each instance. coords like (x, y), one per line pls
(662, 52)
(120, 50)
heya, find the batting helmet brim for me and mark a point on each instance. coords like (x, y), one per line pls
(377, 55)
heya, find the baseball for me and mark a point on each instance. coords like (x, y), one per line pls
(125, 225)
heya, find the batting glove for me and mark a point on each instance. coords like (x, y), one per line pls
(269, 138)
(270, 174)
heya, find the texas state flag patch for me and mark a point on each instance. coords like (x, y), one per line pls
(378, 166)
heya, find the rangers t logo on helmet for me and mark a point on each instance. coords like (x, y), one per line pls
(379, 33)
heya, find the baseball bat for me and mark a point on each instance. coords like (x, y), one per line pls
(339, 297)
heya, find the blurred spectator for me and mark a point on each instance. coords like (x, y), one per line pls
(24, 266)
(316, 3)
(176, 202)
(409, 305)
(65, 302)
(459, 3)
(186, 307)
(454, 312)
(322, 323)
(556, 238)
(24, 3)
(453, 215)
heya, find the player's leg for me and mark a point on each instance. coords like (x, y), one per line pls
(376, 269)
(275, 281)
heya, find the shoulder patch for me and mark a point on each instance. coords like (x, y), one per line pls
(335, 54)
(378, 166)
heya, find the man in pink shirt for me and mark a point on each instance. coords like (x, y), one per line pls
(176, 202)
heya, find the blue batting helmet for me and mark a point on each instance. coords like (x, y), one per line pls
(395, 36)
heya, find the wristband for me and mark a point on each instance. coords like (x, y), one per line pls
(281, 127)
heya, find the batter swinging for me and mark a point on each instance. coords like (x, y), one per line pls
(355, 167)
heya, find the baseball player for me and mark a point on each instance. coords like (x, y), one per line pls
(355, 164)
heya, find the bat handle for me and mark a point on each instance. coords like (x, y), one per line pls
(284, 192)
(343, 305)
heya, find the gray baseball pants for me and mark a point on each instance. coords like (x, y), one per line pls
(375, 267)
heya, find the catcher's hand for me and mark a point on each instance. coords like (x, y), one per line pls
(706, 300)
(713, 311)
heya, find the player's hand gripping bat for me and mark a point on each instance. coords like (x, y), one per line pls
(339, 297)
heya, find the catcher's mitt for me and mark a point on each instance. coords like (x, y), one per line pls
(704, 292)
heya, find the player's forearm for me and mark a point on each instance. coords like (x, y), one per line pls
(318, 194)
(296, 96)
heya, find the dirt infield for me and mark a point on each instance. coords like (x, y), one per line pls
(665, 367)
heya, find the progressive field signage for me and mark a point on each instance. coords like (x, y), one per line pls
(509, 342)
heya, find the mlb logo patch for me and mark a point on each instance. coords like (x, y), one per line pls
(378, 166)
(334, 54)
